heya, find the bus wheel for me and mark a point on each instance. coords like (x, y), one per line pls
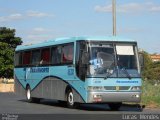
(70, 99)
(29, 98)
(114, 106)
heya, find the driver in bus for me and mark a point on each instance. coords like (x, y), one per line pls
(97, 62)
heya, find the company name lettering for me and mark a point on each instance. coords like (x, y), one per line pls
(39, 70)
(129, 81)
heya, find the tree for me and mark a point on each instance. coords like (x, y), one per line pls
(156, 69)
(8, 43)
(151, 70)
(147, 71)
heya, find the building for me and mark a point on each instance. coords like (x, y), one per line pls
(155, 57)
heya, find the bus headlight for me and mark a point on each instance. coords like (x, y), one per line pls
(95, 88)
(136, 88)
(97, 98)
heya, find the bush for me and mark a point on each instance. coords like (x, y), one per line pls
(150, 94)
(151, 70)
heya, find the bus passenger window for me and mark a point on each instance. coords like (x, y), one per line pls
(26, 58)
(56, 55)
(45, 56)
(36, 57)
(67, 51)
(18, 59)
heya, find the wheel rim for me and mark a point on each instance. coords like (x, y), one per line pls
(28, 94)
(70, 98)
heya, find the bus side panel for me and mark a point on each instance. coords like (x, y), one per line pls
(53, 88)
(18, 88)
(43, 86)
(20, 83)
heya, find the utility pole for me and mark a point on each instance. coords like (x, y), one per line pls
(114, 16)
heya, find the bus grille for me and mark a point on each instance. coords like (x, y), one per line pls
(114, 87)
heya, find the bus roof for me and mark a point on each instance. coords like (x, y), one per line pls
(73, 39)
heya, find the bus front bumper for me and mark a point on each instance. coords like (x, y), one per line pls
(102, 97)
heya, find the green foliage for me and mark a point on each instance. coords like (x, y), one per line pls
(151, 70)
(156, 69)
(8, 43)
(150, 94)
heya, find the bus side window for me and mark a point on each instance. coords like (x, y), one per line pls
(45, 56)
(56, 55)
(80, 69)
(36, 57)
(18, 59)
(67, 52)
(26, 58)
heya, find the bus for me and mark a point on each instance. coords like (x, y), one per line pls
(78, 70)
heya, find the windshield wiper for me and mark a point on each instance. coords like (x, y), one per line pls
(107, 75)
(126, 72)
(109, 72)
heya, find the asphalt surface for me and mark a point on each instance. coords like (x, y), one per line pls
(10, 103)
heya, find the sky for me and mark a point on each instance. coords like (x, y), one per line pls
(42, 20)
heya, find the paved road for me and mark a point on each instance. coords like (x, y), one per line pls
(11, 103)
(49, 109)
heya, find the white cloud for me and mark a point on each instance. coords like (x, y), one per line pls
(16, 16)
(155, 9)
(25, 15)
(38, 34)
(130, 7)
(32, 13)
(39, 29)
(152, 7)
(107, 8)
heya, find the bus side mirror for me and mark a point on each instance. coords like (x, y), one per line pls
(141, 60)
(83, 64)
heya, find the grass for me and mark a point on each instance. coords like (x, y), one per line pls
(150, 95)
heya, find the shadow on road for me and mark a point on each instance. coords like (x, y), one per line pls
(90, 107)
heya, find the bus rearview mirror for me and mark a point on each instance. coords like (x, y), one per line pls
(85, 58)
(141, 60)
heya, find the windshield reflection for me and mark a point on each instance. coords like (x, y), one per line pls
(105, 63)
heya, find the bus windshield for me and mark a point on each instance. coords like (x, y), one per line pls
(108, 60)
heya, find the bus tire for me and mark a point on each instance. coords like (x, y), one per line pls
(70, 100)
(114, 106)
(29, 98)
